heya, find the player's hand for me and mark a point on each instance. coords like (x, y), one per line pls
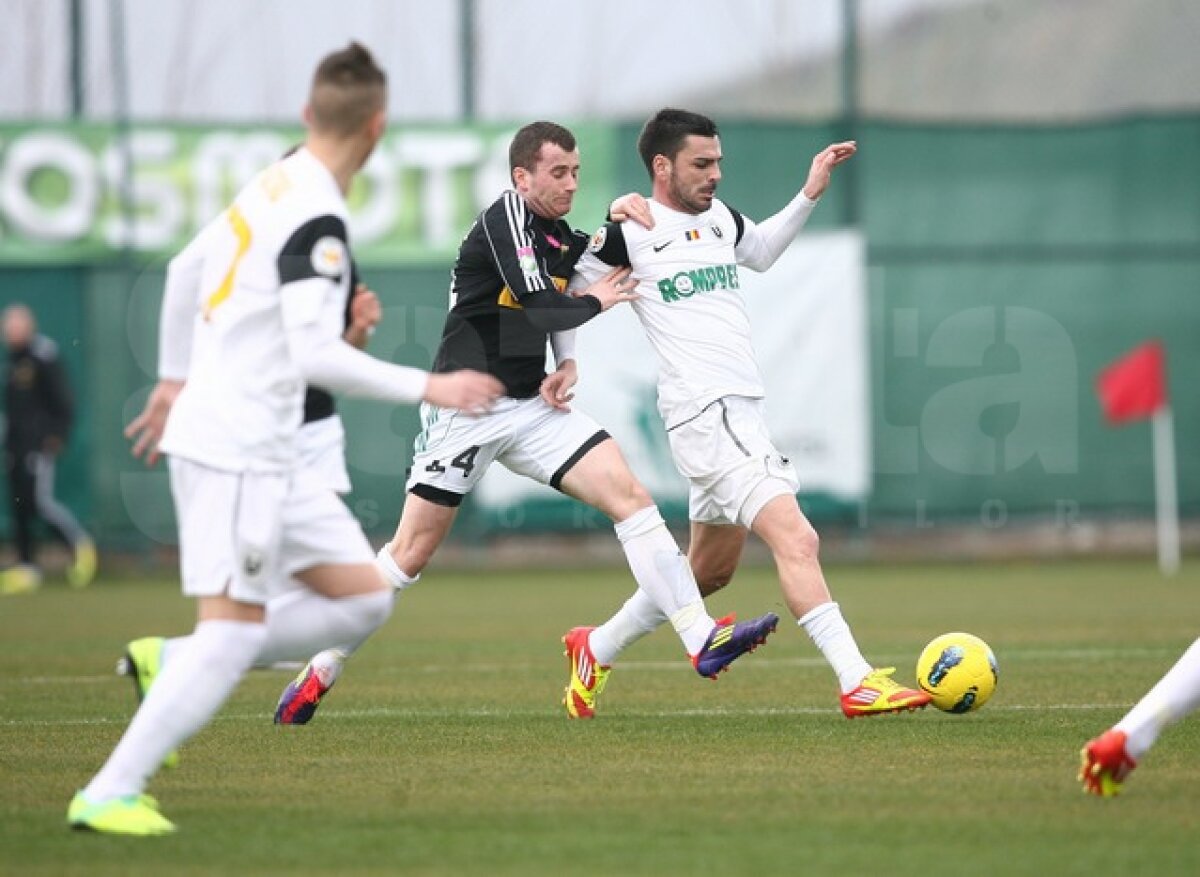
(632, 206)
(365, 314)
(146, 430)
(823, 164)
(613, 288)
(556, 386)
(470, 391)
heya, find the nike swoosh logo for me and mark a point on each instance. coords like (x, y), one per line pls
(658, 248)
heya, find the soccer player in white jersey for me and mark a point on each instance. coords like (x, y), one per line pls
(710, 391)
(505, 303)
(1109, 759)
(261, 295)
(320, 450)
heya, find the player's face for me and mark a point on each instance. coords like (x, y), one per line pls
(693, 176)
(550, 187)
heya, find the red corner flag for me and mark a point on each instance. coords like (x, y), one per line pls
(1135, 386)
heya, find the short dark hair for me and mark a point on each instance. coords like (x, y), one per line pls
(666, 130)
(347, 89)
(527, 143)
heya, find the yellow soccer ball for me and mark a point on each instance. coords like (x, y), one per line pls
(958, 670)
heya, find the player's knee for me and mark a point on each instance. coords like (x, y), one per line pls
(805, 542)
(637, 495)
(626, 497)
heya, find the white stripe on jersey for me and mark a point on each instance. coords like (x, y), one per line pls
(514, 208)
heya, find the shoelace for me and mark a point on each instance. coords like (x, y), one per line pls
(600, 674)
(882, 679)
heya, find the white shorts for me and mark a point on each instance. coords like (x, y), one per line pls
(321, 446)
(246, 534)
(727, 456)
(526, 436)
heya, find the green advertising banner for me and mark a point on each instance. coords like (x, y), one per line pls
(66, 195)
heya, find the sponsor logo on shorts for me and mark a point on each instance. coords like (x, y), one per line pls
(253, 564)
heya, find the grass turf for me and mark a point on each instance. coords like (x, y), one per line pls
(444, 750)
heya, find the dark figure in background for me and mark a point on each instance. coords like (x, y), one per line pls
(38, 407)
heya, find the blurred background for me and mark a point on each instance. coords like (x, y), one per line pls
(1024, 210)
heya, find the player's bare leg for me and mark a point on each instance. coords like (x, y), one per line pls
(714, 552)
(795, 545)
(423, 527)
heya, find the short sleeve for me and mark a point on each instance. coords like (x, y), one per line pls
(608, 245)
(314, 265)
(318, 248)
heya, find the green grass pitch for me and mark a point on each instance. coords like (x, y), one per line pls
(444, 749)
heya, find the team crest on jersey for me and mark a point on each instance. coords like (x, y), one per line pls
(329, 257)
(598, 239)
(716, 229)
(527, 260)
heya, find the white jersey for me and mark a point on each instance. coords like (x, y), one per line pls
(276, 257)
(689, 302)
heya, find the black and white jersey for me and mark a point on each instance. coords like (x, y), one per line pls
(689, 301)
(276, 259)
(506, 295)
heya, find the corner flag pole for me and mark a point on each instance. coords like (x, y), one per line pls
(1135, 388)
(1166, 516)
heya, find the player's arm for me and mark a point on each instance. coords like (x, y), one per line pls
(556, 387)
(176, 323)
(760, 245)
(606, 253)
(180, 304)
(311, 266)
(511, 246)
(363, 311)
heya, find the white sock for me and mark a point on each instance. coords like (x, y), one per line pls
(832, 636)
(663, 573)
(187, 693)
(328, 665)
(1172, 698)
(171, 648)
(392, 573)
(302, 622)
(638, 617)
